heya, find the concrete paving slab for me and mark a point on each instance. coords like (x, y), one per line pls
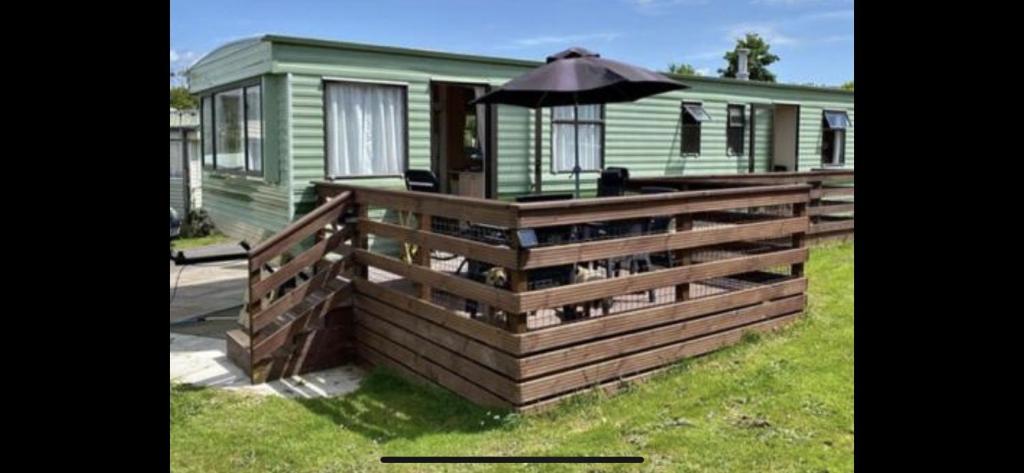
(203, 361)
(205, 288)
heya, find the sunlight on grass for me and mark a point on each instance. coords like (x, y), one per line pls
(780, 402)
(186, 243)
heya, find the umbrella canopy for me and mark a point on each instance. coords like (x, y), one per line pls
(577, 76)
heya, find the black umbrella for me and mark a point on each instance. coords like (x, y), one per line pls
(576, 77)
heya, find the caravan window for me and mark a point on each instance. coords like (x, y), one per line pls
(366, 129)
(734, 130)
(833, 138)
(693, 116)
(563, 139)
(232, 125)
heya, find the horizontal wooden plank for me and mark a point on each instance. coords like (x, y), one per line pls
(618, 208)
(371, 330)
(829, 209)
(836, 191)
(578, 355)
(492, 358)
(459, 286)
(596, 373)
(608, 387)
(488, 211)
(421, 369)
(589, 291)
(479, 331)
(298, 230)
(292, 268)
(589, 251)
(828, 227)
(562, 335)
(496, 255)
(842, 175)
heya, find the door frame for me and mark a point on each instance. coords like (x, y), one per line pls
(490, 164)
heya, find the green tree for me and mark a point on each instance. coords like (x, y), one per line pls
(683, 69)
(760, 59)
(847, 86)
(181, 99)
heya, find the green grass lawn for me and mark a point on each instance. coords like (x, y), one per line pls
(779, 402)
(186, 243)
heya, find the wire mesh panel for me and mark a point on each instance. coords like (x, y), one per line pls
(453, 260)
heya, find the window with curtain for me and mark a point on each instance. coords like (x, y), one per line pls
(366, 126)
(228, 109)
(232, 125)
(563, 139)
(833, 138)
(734, 131)
(693, 116)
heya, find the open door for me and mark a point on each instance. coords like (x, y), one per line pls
(462, 139)
(785, 135)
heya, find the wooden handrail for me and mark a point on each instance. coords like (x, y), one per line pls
(298, 230)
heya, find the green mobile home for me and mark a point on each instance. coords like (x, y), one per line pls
(279, 112)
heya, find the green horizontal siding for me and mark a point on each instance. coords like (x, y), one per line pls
(643, 136)
(812, 131)
(245, 208)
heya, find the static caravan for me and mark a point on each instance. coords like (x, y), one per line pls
(280, 112)
(185, 165)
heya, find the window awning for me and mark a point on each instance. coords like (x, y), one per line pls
(696, 111)
(837, 120)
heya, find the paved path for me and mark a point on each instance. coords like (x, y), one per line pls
(207, 287)
(203, 361)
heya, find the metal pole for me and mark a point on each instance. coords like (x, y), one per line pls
(576, 136)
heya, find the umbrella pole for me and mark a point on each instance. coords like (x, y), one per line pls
(576, 137)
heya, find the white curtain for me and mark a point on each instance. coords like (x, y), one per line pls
(564, 144)
(365, 129)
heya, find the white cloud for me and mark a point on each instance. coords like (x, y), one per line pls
(793, 3)
(703, 71)
(563, 39)
(825, 15)
(769, 32)
(657, 6)
(174, 56)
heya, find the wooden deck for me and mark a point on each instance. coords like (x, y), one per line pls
(396, 279)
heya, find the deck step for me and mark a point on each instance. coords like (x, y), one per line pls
(280, 333)
(238, 348)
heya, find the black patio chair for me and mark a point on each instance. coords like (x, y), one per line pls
(422, 180)
(612, 182)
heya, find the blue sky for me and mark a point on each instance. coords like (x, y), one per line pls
(814, 38)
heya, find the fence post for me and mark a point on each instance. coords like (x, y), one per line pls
(252, 307)
(516, 322)
(684, 223)
(799, 239)
(360, 241)
(422, 256)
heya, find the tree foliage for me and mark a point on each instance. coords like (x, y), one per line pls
(182, 100)
(847, 86)
(759, 59)
(683, 69)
